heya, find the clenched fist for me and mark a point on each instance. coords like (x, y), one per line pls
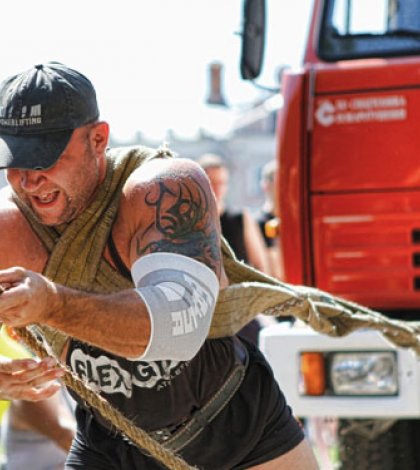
(26, 297)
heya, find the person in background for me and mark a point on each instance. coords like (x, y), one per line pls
(269, 221)
(28, 384)
(38, 435)
(240, 230)
(35, 435)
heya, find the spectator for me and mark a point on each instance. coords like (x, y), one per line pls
(240, 229)
(35, 435)
(38, 435)
(269, 221)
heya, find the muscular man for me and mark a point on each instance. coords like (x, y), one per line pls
(119, 252)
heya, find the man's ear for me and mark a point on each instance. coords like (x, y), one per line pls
(99, 136)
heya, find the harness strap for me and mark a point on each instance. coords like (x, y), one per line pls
(116, 258)
(201, 418)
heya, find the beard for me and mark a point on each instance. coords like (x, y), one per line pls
(81, 183)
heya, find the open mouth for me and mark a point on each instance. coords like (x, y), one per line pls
(46, 199)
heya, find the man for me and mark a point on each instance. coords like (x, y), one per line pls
(240, 230)
(268, 216)
(120, 251)
(38, 435)
(34, 434)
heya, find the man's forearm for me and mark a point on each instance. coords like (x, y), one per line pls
(118, 323)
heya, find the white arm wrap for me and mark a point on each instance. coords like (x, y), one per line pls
(180, 294)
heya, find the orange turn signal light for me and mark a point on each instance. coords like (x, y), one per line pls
(312, 369)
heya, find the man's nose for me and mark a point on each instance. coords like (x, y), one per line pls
(30, 180)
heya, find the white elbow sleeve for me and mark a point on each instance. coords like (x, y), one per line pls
(180, 294)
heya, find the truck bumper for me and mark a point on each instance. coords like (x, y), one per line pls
(283, 344)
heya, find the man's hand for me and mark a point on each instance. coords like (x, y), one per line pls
(28, 379)
(26, 297)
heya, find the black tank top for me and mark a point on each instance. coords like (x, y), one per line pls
(232, 226)
(153, 394)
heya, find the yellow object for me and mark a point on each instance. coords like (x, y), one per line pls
(13, 350)
(272, 228)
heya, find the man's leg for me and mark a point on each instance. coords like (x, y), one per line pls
(299, 458)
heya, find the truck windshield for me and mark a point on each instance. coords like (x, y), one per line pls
(353, 29)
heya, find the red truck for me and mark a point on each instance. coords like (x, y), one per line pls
(348, 148)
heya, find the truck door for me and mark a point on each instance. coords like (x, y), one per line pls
(364, 158)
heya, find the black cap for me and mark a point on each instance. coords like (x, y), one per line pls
(39, 109)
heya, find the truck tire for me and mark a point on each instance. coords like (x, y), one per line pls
(396, 448)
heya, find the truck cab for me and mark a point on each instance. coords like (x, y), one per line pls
(348, 148)
(348, 151)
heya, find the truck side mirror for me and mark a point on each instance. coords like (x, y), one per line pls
(253, 38)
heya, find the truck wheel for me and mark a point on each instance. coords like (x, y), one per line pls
(379, 444)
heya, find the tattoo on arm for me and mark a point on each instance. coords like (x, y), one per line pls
(183, 218)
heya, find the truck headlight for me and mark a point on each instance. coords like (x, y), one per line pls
(364, 373)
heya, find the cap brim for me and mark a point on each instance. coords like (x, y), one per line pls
(32, 152)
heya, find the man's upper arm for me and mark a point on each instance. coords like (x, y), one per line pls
(176, 213)
(176, 258)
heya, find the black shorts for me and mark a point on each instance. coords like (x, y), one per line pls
(256, 426)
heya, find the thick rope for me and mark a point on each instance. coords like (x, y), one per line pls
(322, 312)
(107, 411)
(252, 292)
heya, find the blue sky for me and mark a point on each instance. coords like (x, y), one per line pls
(148, 59)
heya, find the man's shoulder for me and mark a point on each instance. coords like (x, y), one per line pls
(20, 246)
(138, 154)
(7, 205)
(10, 215)
(158, 184)
(157, 171)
